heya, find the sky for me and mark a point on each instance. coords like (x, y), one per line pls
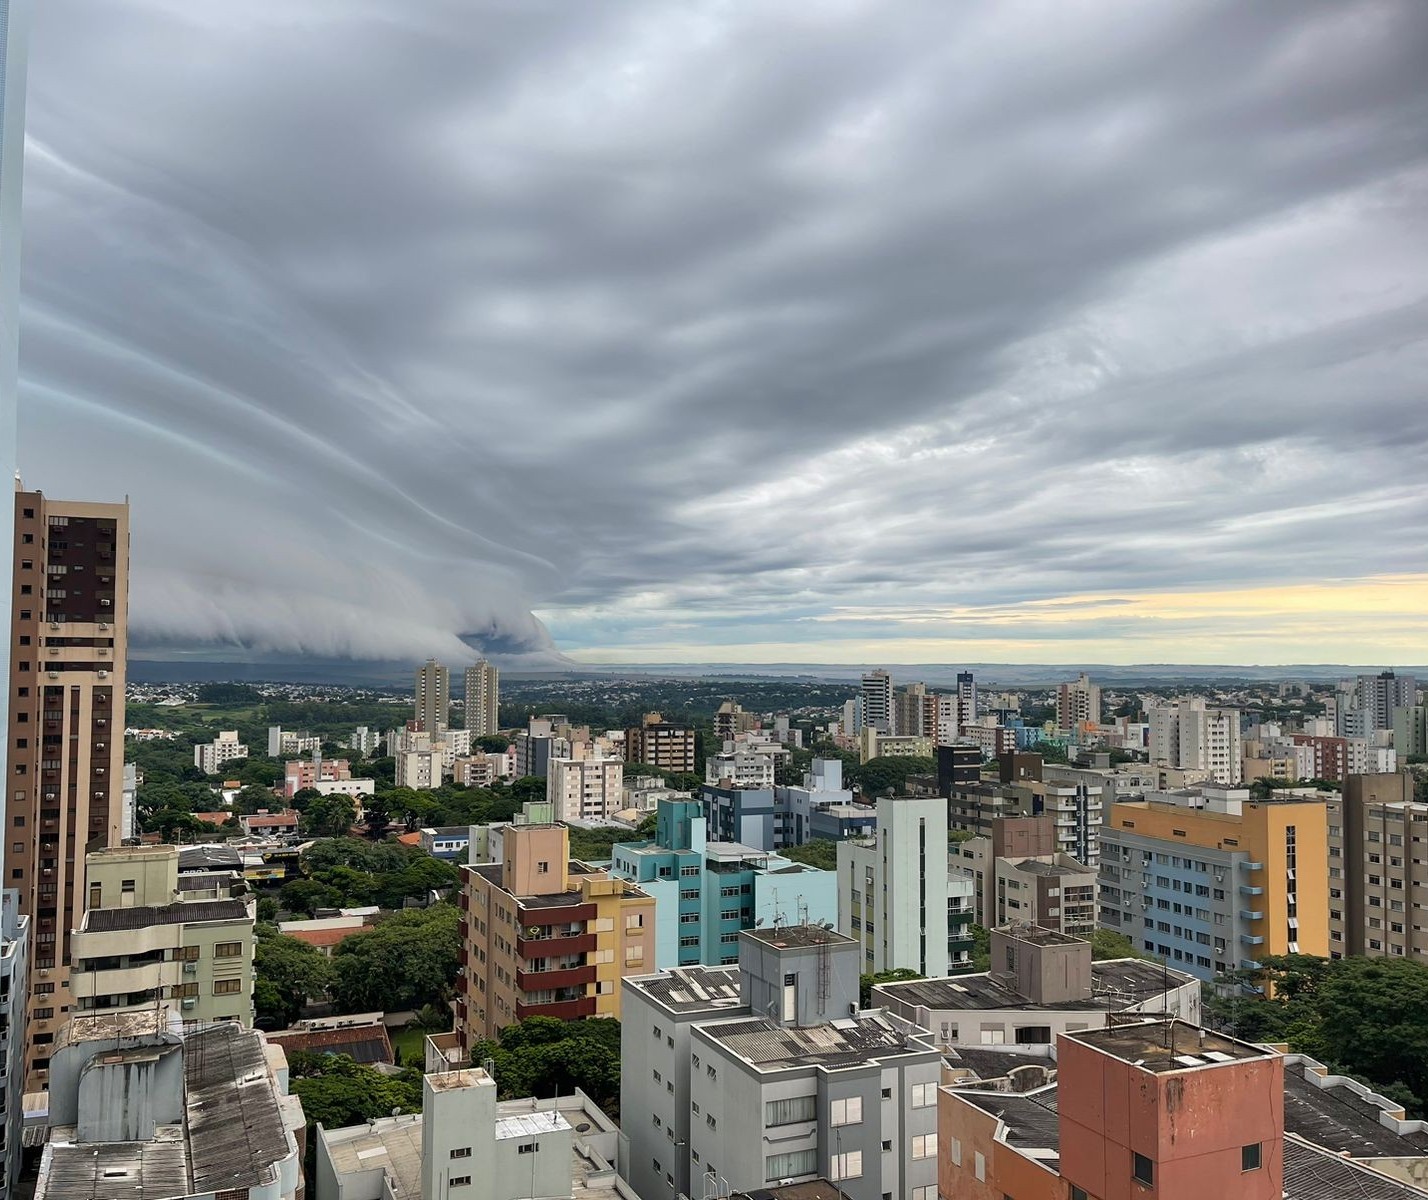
(857, 331)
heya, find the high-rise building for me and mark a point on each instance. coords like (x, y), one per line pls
(585, 789)
(877, 691)
(1368, 703)
(1189, 736)
(66, 729)
(543, 935)
(1078, 703)
(1021, 878)
(1213, 881)
(706, 892)
(966, 697)
(660, 743)
(898, 896)
(1410, 731)
(15, 924)
(771, 1074)
(483, 699)
(433, 697)
(909, 711)
(1378, 882)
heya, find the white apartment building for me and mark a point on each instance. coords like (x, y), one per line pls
(1189, 736)
(140, 948)
(365, 741)
(208, 757)
(423, 759)
(585, 789)
(739, 769)
(899, 897)
(467, 1145)
(771, 1075)
(284, 743)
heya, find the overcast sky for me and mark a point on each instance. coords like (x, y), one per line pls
(743, 331)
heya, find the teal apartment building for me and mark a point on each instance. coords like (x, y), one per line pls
(706, 892)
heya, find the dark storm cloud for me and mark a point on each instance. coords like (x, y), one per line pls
(696, 323)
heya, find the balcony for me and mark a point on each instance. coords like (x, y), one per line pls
(565, 1010)
(547, 947)
(536, 981)
(1251, 939)
(1248, 890)
(1250, 964)
(1246, 865)
(1251, 914)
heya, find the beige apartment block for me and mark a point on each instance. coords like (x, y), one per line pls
(543, 935)
(141, 947)
(69, 623)
(1378, 868)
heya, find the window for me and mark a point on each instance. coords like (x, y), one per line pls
(228, 950)
(795, 1108)
(791, 1165)
(542, 868)
(929, 1192)
(1142, 1170)
(846, 1166)
(924, 1095)
(924, 1145)
(227, 987)
(979, 1165)
(461, 1152)
(1078, 1193)
(1250, 1157)
(459, 1181)
(954, 1151)
(846, 1112)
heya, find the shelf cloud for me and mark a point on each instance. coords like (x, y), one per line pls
(618, 332)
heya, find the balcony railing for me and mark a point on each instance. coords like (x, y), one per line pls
(546, 947)
(566, 1010)
(535, 981)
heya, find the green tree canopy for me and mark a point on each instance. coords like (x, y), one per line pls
(1360, 1016)
(337, 1092)
(289, 973)
(543, 1056)
(407, 960)
(820, 852)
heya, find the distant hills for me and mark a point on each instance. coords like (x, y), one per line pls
(351, 673)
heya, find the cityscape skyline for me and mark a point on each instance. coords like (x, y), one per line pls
(1129, 369)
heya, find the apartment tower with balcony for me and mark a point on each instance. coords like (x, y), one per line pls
(69, 624)
(543, 935)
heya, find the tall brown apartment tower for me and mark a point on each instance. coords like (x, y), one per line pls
(69, 625)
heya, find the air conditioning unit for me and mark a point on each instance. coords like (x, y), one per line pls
(55, 674)
(55, 625)
(106, 603)
(190, 968)
(103, 674)
(103, 624)
(190, 1002)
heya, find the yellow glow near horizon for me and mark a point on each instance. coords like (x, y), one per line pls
(1381, 619)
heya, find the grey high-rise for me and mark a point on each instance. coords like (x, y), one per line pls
(483, 699)
(433, 697)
